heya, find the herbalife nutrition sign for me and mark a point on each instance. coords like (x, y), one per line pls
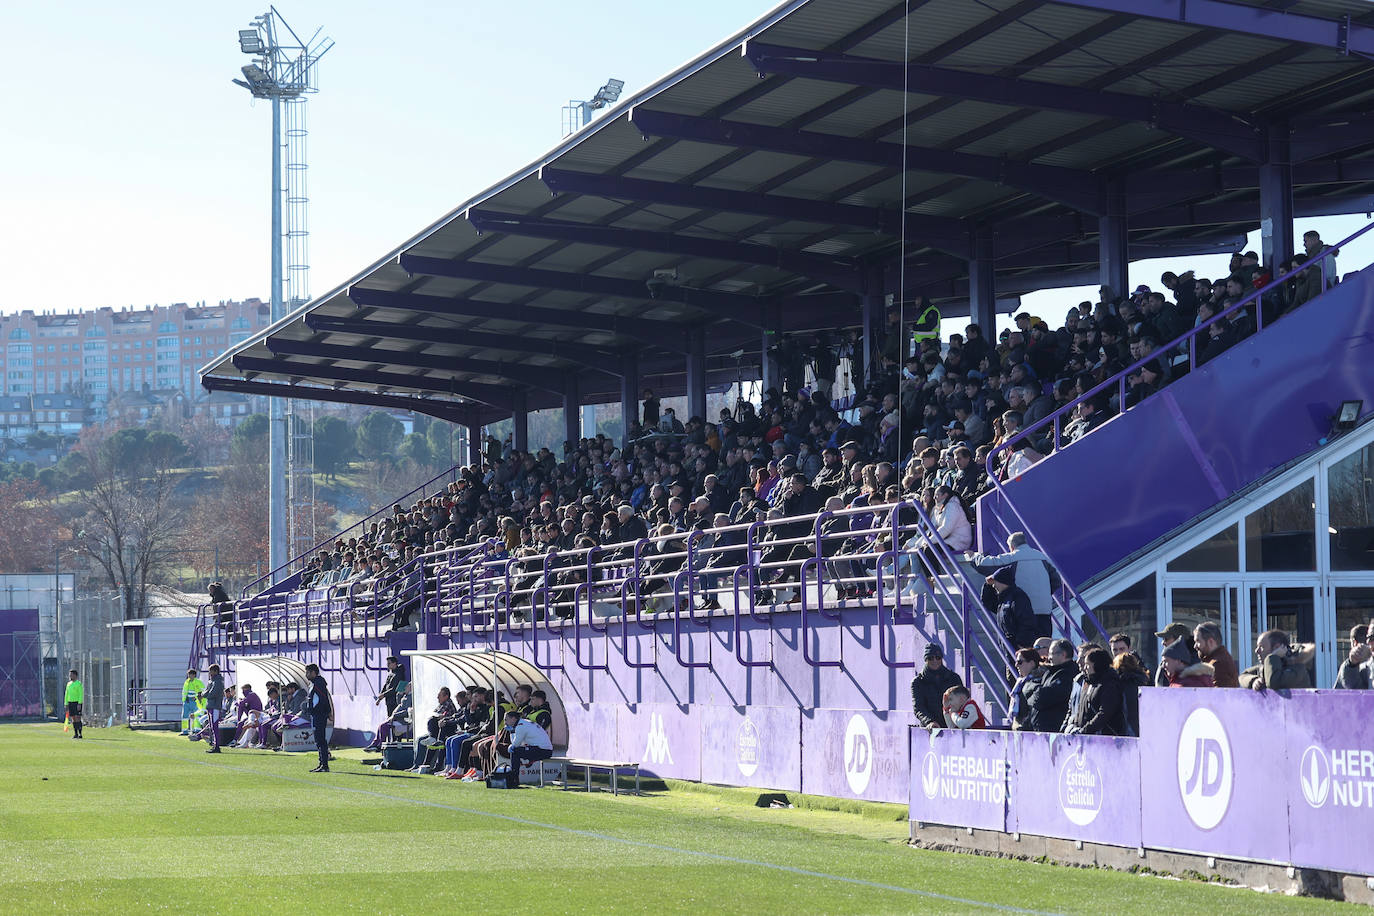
(960, 778)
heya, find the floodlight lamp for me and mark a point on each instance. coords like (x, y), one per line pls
(256, 75)
(609, 92)
(1348, 414)
(250, 42)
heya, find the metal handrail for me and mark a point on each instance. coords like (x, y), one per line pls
(1190, 337)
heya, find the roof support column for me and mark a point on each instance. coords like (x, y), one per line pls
(474, 442)
(629, 395)
(572, 413)
(770, 370)
(1112, 242)
(696, 372)
(1276, 198)
(872, 307)
(519, 421)
(982, 282)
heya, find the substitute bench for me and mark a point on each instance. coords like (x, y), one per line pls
(612, 768)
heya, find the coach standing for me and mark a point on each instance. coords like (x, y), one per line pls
(213, 695)
(321, 707)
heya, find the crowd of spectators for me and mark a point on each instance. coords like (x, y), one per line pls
(920, 424)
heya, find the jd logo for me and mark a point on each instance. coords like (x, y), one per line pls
(930, 775)
(1315, 774)
(1205, 773)
(747, 747)
(858, 754)
(657, 751)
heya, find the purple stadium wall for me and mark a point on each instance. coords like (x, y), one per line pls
(1264, 402)
(1230, 773)
(20, 664)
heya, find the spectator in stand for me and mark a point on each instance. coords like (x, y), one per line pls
(650, 414)
(1014, 615)
(1171, 634)
(1277, 668)
(1354, 671)
(1049, 702)
(929, 686)
(1033, 574)
(1182, 670)
(1099, 710)
(1029, 673)
(1207, 638)
(1133, 675)
(960, 710)
(397, 724)
(1321, 276)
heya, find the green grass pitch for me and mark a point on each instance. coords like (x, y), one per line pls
(127, 822)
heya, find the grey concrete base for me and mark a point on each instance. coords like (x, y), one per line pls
(1280, 879)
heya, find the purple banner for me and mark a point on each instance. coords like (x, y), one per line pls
(752, 746)
(1076, 787)
(852, 754)
(959, 778)
(664, 737)
(1214, 782)
(1330, 779)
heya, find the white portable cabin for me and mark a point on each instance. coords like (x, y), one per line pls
(153, 659)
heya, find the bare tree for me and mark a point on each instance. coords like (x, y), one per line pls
(130, 519)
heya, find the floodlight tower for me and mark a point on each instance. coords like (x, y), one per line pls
(577, 115)
(283, 71)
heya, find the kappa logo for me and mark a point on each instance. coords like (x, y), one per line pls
(657, 750)
(1315, 776)
(748, 746)
(1205, 773)
(930, 775)
(858, 754)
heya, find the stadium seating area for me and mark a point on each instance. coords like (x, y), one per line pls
(794, 500)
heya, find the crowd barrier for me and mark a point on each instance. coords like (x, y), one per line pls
(1266, 777)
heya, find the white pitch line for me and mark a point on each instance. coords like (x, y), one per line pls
(640, 844)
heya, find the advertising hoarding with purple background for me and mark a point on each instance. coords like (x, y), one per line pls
(1076, 787)
(853, 754)
(752, 746)
(959, 778)
(1330, 774)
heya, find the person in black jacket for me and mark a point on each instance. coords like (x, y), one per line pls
(928, 688)
(1029, 673)
(1133, 675)
(320, 705)
(1049, 703)
(1099, 710)
(1014, 613)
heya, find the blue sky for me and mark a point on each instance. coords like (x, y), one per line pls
(137, 172)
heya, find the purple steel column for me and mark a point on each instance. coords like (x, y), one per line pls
(982, 282)
(696, 372)
(474, 442)
(1276, 199)
(1112, 242)
(572, 409)
(629, 395)
(520, 421)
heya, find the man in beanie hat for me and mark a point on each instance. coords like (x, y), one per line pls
(929, 686)
(1175, 632)
(1014, 613)
(1183, 670)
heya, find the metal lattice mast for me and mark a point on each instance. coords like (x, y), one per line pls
(283, 71)
(300, 446)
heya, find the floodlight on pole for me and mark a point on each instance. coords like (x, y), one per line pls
(578, 114)
(284, 71)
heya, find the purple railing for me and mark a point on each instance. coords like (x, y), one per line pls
(1055, 419)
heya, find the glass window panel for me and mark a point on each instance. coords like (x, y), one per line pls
(1281, 535)
(1219, 553)
(1350, 496)
(1354, 607)
(1132, 611)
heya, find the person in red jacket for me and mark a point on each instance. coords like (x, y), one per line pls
(1183, 671)
(961, 711)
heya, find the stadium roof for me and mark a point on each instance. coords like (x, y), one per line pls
(773, 181)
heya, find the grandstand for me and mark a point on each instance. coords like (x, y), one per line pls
(794, 201)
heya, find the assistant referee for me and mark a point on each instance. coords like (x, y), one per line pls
(76, 695)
